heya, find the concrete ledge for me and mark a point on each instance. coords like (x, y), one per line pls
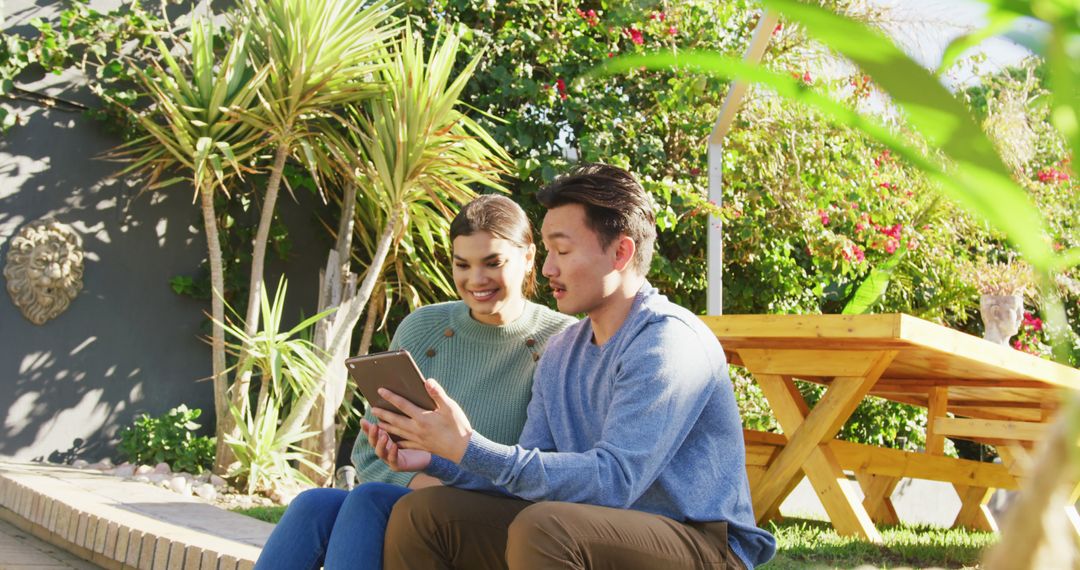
(120, 524)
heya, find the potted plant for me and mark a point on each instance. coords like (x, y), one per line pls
(1002, 287)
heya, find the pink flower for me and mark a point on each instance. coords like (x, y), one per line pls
(634, 35)
(672, 30)
(891, 244)
(893, 232)
(859, 226)
(1053, 175)
(590, 17)
(824, 217)
(852, 252)
(806, 78)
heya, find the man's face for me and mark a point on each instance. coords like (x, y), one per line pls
(582, 274)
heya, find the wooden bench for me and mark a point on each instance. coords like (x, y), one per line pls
(878, 470)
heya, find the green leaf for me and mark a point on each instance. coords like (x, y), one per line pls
(874, 286)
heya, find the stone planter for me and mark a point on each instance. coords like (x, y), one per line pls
(1001, 316)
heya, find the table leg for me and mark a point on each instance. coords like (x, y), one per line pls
(974, 514)
(877, 492)
(808, 434)
(773, 514)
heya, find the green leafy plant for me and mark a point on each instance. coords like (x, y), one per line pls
(93, 42)
(288, 365)
(190, 135)
(169, 438)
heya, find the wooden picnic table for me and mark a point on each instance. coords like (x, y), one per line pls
(972, 389)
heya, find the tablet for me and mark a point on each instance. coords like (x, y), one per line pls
(394, 370)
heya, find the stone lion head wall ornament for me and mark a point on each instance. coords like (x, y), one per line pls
(44, 269)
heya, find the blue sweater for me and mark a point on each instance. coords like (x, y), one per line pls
(647, 421)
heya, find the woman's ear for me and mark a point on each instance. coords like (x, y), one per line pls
(530, 255)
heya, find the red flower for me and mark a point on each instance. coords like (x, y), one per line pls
(890, 245)
(634, 35)
(560, 86)
(658, 16)
(859, 226)
(779, 27)
(824, 217)
(672, 30)
(806, 78)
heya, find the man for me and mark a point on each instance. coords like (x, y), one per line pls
(632, 455)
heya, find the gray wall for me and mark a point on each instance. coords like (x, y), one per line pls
(127, 344)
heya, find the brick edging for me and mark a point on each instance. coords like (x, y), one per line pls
(116, 539)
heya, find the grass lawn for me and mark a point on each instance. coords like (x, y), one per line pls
(806, 543)
(268, 514)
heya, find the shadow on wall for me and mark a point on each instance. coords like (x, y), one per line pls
(127, 344)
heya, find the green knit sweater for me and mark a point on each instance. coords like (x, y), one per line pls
(487, 369)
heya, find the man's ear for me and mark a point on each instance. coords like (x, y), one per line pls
(625, 248)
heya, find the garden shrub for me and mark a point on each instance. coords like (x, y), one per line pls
(169, 438)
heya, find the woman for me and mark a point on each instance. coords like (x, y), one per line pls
(482, 349)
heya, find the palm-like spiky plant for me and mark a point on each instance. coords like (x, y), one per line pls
(190, 133)
(419, 154)
(320, 56)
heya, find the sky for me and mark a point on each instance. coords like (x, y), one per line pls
(924, 28)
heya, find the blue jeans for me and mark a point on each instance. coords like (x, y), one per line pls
(332, 527)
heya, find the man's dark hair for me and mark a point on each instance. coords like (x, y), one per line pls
(615, 204)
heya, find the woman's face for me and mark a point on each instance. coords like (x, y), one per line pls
(489, 273)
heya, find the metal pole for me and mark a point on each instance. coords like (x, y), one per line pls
(758, 42)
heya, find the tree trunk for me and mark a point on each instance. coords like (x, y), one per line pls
(374, 309)
(337, 285)
(258, 257)
(223, 454)
(347, 317)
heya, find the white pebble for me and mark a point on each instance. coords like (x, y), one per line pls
(124, 470)
(206, 491)
(162, 468)
(143, 470)
(80, 464)
(180, 485)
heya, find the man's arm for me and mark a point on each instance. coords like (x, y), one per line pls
(662, 386)
(536, 433)
(663, 383)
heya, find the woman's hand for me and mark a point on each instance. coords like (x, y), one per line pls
(396, 458)
(444, 431)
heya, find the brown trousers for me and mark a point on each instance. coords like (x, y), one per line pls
(442, 527)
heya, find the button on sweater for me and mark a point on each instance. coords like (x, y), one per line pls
(487, 369)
